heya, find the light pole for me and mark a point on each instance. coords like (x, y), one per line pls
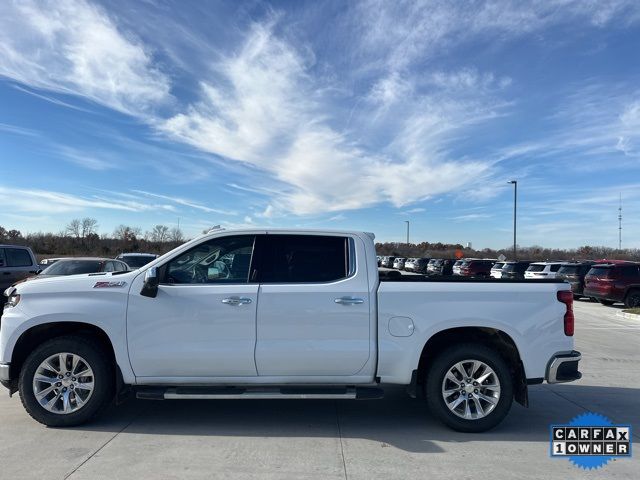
(407, 222)
(515, 213)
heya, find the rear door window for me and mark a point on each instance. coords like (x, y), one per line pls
(535, 268)
(304, 259)
(17, 257)
(555, 268)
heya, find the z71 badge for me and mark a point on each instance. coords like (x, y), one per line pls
(109, 284)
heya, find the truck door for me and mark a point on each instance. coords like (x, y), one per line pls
(313, 309)
(202, 323)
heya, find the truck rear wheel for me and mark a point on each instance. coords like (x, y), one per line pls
(469, 388)
(66, 381)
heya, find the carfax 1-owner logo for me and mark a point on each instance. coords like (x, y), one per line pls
(590, 440)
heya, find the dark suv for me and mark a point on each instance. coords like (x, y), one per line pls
(515, 270)
(443, 266)
(614, 282)
(476, 268)
(420, 265)
(574, 273)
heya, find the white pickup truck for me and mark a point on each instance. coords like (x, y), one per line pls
(282, 314)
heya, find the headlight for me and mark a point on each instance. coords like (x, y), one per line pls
(12, 301)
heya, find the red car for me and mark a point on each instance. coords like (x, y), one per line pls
(614, 282)
(476, 268)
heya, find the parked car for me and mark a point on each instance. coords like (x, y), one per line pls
(441, 266)
(514, 270)
(614, 282)
(398, 263)
(431, 266)
(458, 265)
(476, 268)
(78, 266)
(420, 265)
(409, 265)
(16, 263)
(542, 270)
(136, 260)
(387, 262)
(47, 262)
(574, 273)
(496, 270)
(149, 331)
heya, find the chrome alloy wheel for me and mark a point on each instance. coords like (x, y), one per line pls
(63, 383)
(471, 389)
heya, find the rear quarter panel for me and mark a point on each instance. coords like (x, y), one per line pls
(529, 313)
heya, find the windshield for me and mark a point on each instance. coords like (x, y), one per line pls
(497, 266)
(73, 267)
(137, 261)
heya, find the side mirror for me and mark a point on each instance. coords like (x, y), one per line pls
(151, 282)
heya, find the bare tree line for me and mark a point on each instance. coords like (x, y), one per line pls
(80, 237)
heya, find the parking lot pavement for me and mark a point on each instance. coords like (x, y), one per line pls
(390, 438)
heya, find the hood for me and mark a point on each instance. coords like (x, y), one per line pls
(77, 283)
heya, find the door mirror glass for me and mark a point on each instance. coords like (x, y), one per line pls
(151, 281)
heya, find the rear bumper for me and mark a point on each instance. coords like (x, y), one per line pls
(601, 295)
(563, 367)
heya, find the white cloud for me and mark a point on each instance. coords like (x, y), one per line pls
(45, 201)
(75, 47)
(186, 203)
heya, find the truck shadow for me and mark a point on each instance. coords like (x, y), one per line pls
(396, 420)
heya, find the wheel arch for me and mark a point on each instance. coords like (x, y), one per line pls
(495, 338)
(38, 334)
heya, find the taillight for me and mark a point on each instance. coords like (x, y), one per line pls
(566, 297)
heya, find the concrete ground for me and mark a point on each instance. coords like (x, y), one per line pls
(387, 439)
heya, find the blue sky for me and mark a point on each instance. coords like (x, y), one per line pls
(356, 115)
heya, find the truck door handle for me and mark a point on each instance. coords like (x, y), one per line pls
(236, 301)
(349, 301)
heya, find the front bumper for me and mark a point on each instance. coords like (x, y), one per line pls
(563, 367)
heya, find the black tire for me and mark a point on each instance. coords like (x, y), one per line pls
(104, 380)
(608, 303)
(632, 300)
(438, 371)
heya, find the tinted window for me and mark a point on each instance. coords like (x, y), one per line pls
(3, 261)
(629, 271)
(73, 267)
(17, 257)
(137, 261)
(304, 259)
(555, 268)
(570, 269)
(497, 266)
(602, 272)
(220, 260)
(535, 268)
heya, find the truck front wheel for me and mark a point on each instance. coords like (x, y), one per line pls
(469, 388)
(66, 381)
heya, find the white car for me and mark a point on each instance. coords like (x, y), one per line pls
(496, 270)
(542, 270)
(398, 263)
(282, 314)
(410, 264)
